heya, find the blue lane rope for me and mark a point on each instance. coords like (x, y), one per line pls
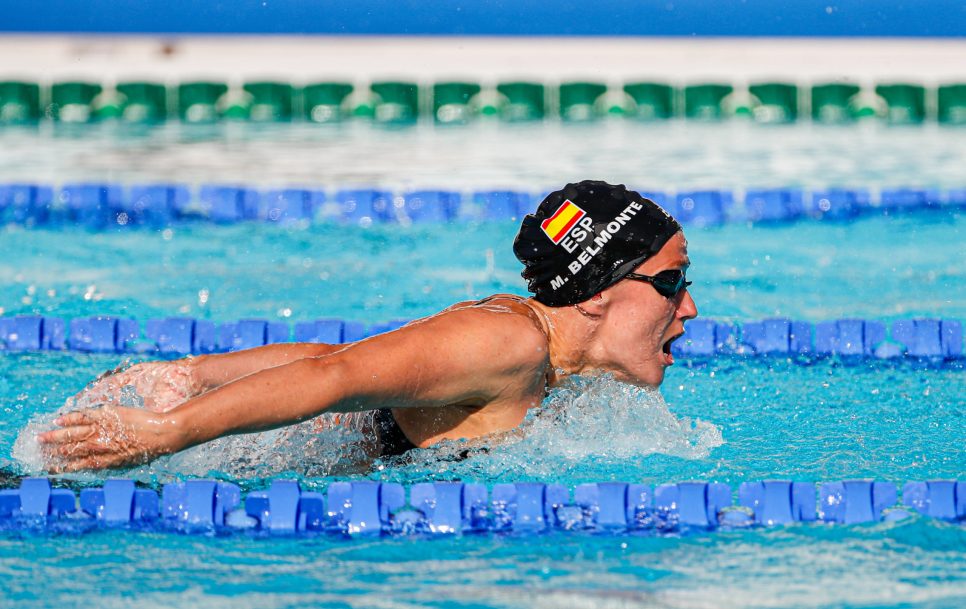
(99, 206)
(933, 339)
(440, 508)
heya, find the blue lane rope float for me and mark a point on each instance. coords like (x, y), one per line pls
(931, 339)
(369, 508)
(99, 206)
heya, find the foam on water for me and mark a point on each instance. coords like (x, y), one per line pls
(328, 445)
(26, 450)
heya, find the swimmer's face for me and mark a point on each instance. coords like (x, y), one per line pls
(638, 325)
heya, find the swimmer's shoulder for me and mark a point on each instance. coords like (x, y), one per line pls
(506, 319)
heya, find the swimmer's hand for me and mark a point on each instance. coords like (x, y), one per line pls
(109, 437)
(160, 385)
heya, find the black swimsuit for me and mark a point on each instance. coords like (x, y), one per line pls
(392, 438)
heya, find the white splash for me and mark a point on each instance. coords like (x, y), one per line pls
(323, 446)
(603, 416)
(591, 419)
(26, 450)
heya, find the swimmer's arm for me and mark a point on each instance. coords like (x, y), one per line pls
(446, 359)
(111, 436)
(211, 371)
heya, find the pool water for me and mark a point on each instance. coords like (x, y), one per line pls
(915, 563)
(725, 419)
(876, 267)
(661, 155)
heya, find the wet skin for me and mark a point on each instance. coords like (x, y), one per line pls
(471, 370)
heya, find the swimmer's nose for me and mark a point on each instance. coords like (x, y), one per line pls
(687, 309)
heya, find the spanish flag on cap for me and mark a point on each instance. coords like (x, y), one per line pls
(557, 225)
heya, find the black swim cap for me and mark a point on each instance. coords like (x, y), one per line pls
(586, 237)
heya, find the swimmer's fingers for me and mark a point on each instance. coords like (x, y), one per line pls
(78, 417)
(105, 384)
(79, 426)
(94, 456)
(66, 435)
(84, 448)
(107, 373)
(109, 437)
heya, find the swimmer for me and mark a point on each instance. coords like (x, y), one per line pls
(607, 271)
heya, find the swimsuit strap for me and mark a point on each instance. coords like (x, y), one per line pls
(501, 297)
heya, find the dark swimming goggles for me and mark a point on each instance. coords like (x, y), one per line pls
(667, 283)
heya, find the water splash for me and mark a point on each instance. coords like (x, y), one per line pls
(324, 446)
(26, 451)
(330, 444)
(587, 426)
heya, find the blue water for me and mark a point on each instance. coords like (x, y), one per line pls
(727, 420)
(910, 564)
(879, 267)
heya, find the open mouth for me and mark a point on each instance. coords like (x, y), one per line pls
(666, 348)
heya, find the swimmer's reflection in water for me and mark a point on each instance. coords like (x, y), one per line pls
(607, 271)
